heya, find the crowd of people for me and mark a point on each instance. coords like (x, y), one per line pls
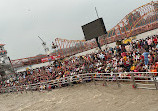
(136, 56)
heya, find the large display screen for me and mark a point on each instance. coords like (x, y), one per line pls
(94, 29)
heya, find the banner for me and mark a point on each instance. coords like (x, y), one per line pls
(46, 59)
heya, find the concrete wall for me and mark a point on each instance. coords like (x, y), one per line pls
(33, 66)
(146, 34)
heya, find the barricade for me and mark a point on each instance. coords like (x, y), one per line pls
(143, 80)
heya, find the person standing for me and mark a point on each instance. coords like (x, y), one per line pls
(146, 54)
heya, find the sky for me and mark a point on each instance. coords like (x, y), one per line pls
(22, 21)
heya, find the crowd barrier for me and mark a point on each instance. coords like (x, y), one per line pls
(145, 80)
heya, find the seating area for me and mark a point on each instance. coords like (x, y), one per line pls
(135, 56)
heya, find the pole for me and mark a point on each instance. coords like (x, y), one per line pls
(11, 65)
(46, 49)
(97, 41)
(154, 78)
(133, 80)
(41, 39)
(117, 80)
(93, 79)
(104, 84)
(96, 12)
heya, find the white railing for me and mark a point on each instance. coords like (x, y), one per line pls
(133, 77)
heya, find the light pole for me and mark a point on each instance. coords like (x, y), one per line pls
(46, 49)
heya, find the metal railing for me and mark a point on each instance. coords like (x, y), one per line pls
(134, 77)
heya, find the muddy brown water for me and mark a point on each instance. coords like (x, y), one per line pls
(83, 97)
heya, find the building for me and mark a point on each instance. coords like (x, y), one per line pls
(5, 66)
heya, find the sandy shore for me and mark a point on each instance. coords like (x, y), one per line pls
(83, 97)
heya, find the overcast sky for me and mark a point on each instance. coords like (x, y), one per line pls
(22, 21)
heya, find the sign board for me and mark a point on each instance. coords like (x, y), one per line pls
(46, 59)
